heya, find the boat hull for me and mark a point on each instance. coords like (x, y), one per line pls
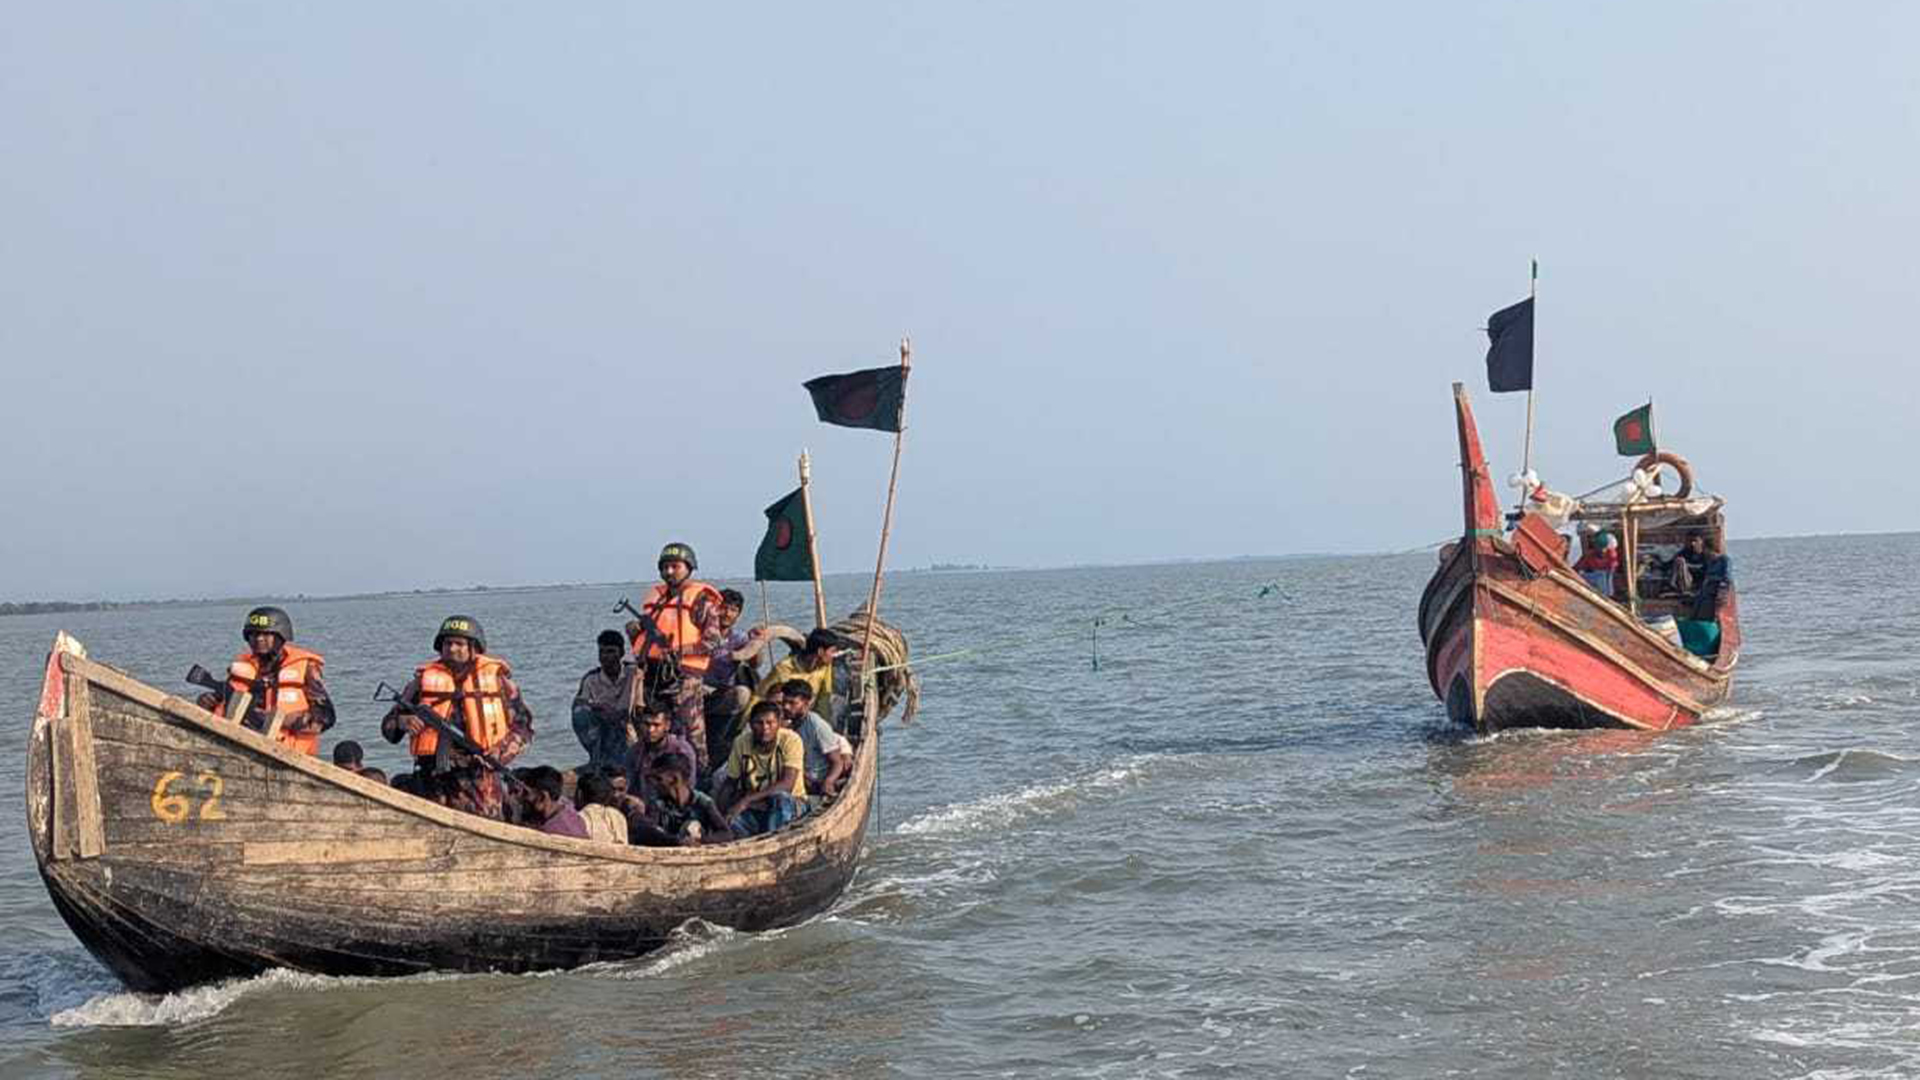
(182, 849)
(1507, 648)
(1515, 638)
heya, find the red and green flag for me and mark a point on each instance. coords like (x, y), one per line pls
(786, 552)
(874, 398)
(1633, 433)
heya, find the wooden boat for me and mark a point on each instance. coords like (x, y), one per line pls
(182, 848)
(1514, 637)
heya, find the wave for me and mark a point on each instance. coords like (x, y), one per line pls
(1009, 808)
(1851, 765)
(129, 1009)
(689, 942)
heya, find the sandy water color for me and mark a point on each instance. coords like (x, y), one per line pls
(1246, 845)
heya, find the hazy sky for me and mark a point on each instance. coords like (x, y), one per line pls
(333, 297)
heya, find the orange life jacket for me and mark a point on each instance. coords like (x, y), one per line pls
(673, 616)
(483, 702)
(285, 691)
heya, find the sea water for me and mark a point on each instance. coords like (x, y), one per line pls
(1246, 844)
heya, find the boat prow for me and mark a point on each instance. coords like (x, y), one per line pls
(182, 848)
(1514, 637)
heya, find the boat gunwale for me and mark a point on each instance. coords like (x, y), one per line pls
(856, 800)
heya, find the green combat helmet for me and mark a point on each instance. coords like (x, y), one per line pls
(683, 552)
(272, 620)
(465, 626)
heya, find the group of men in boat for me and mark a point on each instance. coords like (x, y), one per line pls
(686, 744)
(1697, 574)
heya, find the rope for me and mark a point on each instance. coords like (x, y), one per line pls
(1109, 617)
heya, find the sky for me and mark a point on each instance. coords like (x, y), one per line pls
(320, 298)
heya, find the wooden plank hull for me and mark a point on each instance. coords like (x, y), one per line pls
(210, 851)
(1506, 648)
(1515, 638)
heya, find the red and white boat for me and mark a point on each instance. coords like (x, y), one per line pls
(1515, 637)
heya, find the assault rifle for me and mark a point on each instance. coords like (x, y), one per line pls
(451, 737)
(651, 635)
(200, 676)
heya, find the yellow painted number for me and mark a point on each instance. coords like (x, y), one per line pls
(175, 808)
(211, 786)
(172, 809)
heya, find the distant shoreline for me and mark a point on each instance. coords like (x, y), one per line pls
(58, 607)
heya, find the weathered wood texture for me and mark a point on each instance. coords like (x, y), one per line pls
(215, 852)
(1515, 638)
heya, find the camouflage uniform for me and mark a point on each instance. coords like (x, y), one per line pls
(465, 784)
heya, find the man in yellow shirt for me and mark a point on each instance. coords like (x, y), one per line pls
(766, 781)
(814, 665)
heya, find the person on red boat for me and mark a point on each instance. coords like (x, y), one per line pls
(1599, 559)
(473, 690)
(281, 677)
(678, 648)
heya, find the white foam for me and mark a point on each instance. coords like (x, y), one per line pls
(999, 811)
(128, 1009)
(688, 943)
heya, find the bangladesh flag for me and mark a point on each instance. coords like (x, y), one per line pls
(1633, 433)
(875, 398)
(785, 554)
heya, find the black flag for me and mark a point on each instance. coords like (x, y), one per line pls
(1510, 356)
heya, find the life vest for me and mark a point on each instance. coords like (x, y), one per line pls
(285, 691)
(483, 703)
(673, 616)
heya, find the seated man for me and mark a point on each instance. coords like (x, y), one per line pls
(764, 786)
(814, 663)
(729, 680)
(828, 754)
(349, 755)
(1689, 567)
(1599, 559)
(596, 797)
(600, 705)
(547, 808)
(657, 737)
(674, 814)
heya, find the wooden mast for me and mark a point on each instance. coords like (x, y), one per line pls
(813, 541)
(886, 519)
(1526, 460)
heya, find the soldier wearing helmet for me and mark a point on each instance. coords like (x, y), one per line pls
(474, 692)
(282, 678)
(678, 647)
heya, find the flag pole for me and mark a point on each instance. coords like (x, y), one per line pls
(1526, 460)
(766, 607)
(886, 520)
(813, 541)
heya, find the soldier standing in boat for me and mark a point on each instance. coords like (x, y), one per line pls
(281, 677)
(676, 649)
(473, 690)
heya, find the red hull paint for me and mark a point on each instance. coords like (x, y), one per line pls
(1515, 638)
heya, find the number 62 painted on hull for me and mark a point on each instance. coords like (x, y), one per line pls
(175, 808)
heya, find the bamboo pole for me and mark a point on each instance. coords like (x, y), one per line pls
(886, 519)
(766, 607)
(813, 541)
(1630, 555)
(1526, 460)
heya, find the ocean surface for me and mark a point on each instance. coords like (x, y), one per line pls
(1247, 844)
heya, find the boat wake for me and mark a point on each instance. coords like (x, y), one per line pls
(689, 943)
(128, 1009)
(999, 812)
